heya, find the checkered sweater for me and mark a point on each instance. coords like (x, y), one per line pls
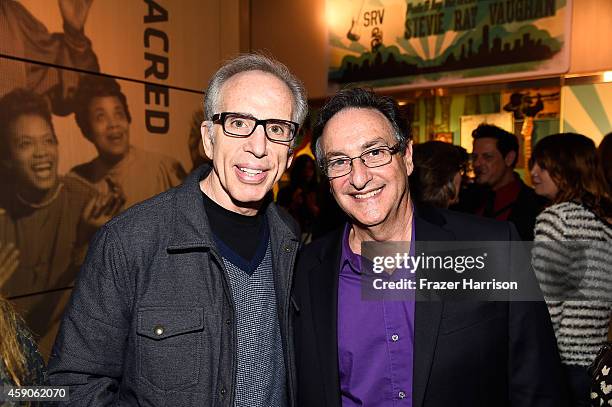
(581, 255)
(260, 379)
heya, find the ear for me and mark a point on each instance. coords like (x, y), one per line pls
(290, 156)
(207, 138)
(509, 159)
(407, 157)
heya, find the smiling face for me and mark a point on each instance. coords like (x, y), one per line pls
(246, 168)
(543, 183)
(33, 153)
(110, 128)
(371, 197)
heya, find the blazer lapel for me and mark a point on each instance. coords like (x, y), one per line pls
(324, 303)
(427, 313)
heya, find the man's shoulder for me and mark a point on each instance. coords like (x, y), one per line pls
(472, 227)
(527, 196)
(285, 217)
(327, 244)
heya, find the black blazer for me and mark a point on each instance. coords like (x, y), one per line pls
(468, 353)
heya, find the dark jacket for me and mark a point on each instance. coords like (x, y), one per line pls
(523, 211)
(151, 320)
(467, 353)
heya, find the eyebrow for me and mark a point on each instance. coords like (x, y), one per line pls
(20, 137)
(246, 115)
(364, 146)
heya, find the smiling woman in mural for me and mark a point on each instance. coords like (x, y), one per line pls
(45, 220)
(104, 119)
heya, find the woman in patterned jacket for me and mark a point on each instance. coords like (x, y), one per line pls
(572, 254)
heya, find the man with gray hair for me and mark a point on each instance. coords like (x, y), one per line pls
(184, 299)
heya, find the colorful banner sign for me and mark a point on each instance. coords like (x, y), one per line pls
(440, 42)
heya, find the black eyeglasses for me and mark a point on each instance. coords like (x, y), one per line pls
(372, 158)
(241, 125)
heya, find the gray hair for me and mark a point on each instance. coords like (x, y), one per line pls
(256, 62)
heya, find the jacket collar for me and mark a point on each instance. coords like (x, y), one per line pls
(190, 226)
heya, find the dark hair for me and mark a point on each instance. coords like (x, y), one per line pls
(363, 99)
(572, 162)
(435, 165)
(90, 87)
(17, 103)
(505, 141)
(605, 158)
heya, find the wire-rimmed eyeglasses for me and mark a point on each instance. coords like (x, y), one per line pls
(371, 158)
(242, 125)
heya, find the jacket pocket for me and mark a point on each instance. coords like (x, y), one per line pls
(170, 346)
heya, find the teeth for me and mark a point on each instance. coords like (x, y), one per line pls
(251, 171)
(369, 194)
(41, 167)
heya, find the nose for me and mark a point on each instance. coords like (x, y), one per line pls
(360, 175)
(40, 150)
(113, 121)
(257, 143)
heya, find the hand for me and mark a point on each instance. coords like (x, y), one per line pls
(100, 209)
(9, 261)
(74, 12)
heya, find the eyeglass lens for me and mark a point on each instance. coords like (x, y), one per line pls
(245, 126)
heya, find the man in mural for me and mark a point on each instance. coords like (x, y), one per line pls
(184, 299)
(45, 219)
(499, 192)
(23, 36)
(104, 119)
(393, 351)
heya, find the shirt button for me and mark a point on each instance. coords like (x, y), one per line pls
(395, 337)
(228, 321)
(159, 330)
(401, 395)
(222, 391)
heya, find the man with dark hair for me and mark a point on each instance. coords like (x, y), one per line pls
(438, 172)
(352, 351)
(102, 114)
(184, 299)
(499, 192)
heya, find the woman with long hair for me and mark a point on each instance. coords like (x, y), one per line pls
(572, 253)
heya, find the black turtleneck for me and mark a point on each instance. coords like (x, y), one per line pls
(241, 233)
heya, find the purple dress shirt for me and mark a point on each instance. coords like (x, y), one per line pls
(375, 340)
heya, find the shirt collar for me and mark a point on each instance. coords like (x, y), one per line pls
(350, 262)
